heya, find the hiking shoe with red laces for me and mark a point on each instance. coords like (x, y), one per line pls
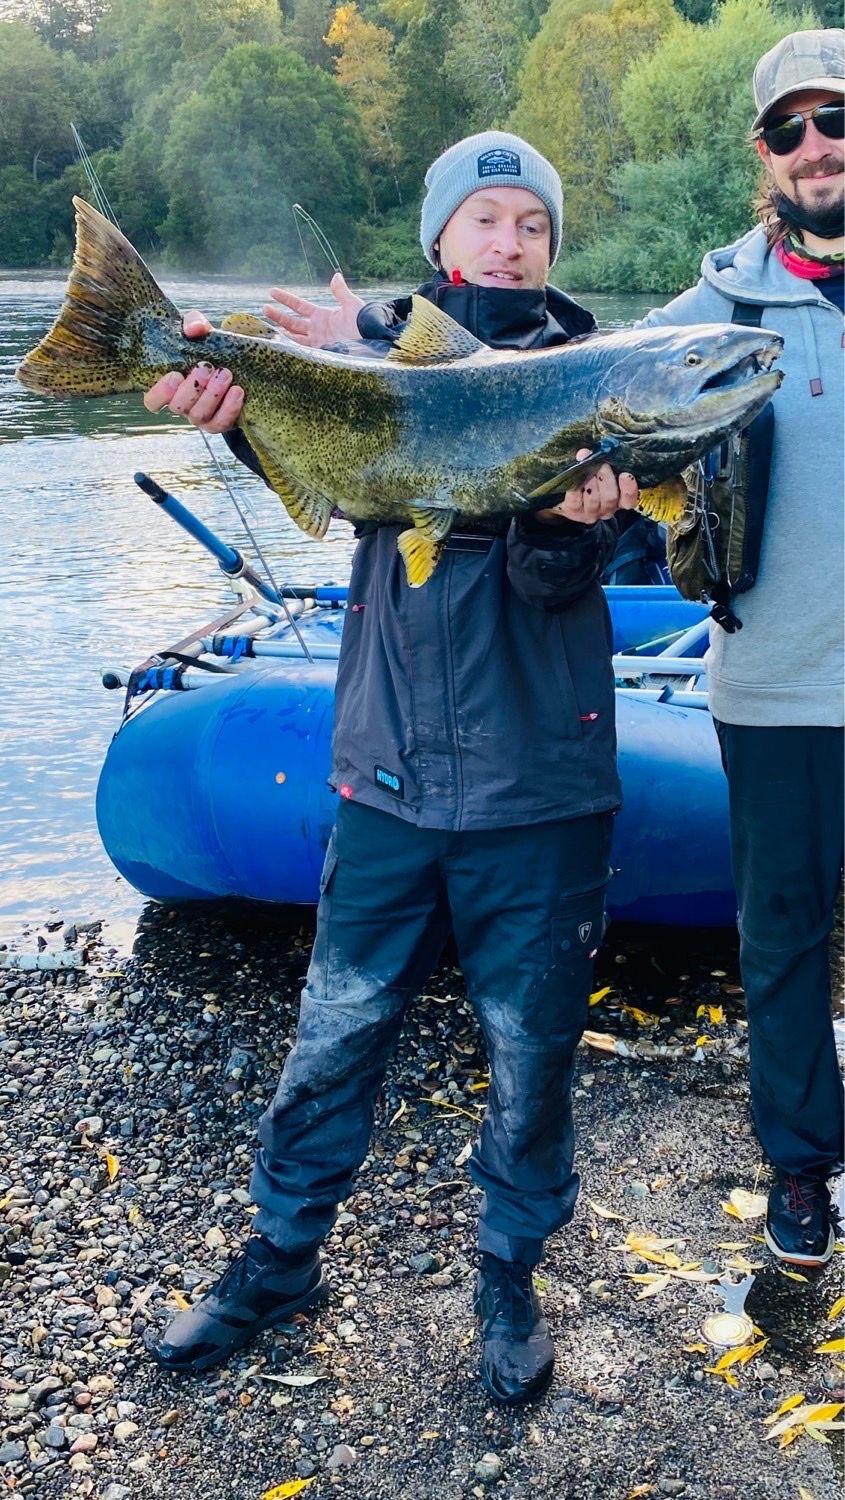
(799, 1221)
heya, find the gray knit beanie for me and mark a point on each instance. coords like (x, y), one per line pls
(491, 159)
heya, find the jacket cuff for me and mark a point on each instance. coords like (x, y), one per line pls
(553, 533)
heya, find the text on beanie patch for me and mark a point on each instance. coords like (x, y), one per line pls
(499, 163)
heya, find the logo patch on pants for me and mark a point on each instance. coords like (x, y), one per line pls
(584, 931)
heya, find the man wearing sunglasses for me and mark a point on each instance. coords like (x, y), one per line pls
(776, 683)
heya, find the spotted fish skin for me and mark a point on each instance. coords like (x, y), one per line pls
(444, 426)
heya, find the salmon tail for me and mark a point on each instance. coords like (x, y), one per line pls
(98, 343)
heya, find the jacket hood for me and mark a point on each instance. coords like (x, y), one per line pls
(748, 271)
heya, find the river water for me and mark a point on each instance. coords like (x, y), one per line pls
(95, 576)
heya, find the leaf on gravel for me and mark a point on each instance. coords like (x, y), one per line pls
(793, 1275)
(659, 1284)
(733, 1245)
(640, 1489)
(739, 1356)
(474, 1088)
(112, 1165)
(642, 1017)
(429, 1436)
(837, 1308)
(695, 1349)
(804, 1494)
(402, 1110)
(790, 1436)
(805, 1415)
(299, 1379)
(744, 1205)
(285, 1491)
(812, 1432)
(182, 1302)
(827, 1412)
(603, 1213)
(788, 1405)
(833, 1346)
(464, 1154)
(599, 995)
(704, 1041)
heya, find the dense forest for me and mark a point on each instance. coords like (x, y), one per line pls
(206, 120)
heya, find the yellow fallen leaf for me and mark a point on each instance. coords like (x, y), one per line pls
(833, 1346)
(826, 1412)
(112, 1165)
(818, 1437)
(695, 1349)
(788, 1405)
(703, 1041)
(738, 1356)
(599, 995)
(793, 1275)
(672, 1260)
(475, 1087)
(642, 1017)
(403, 1108)
(429, 1435)
(804, 1494)
(789, 1437)
(746, 1205)
(733, 1245)
(603, 1213)
(734, 1212)
(659, 1284)
(180, 1299)
(284, 1491)
(837, 1308)
(639, 1490)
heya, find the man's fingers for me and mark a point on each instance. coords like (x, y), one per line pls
(206, 403)
(195, 324)
(228, 412)
(629, 492)
(159, 394)
(296, 304)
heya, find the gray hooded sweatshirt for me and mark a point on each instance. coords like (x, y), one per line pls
(785, 666)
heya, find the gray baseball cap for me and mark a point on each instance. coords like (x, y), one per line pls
(804, 60)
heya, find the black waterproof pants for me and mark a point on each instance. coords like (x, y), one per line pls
(786, 808)
(527, 909)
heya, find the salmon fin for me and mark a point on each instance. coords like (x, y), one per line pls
(248, 325)
(95, 346)
(431, 337)
(420, 554)
(311, 513)
(435, 525)
(664, 502)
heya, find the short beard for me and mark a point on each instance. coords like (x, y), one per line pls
(825, 220)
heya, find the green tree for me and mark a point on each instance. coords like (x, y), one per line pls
(263, 132)
(434, 105)
(570, 101)
(486, 56)
(306, 31)
(34, 102)
(690, 184)
(25, 234)
(366, 72)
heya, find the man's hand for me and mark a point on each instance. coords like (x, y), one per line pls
(601, 495)
(206, 396)
(308, 323)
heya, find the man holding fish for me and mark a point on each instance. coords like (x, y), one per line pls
(475, 761)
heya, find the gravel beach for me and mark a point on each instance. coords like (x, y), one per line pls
(130, 1091)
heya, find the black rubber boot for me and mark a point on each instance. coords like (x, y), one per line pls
(799, 1222)
(260, 1288)
(518, 1356)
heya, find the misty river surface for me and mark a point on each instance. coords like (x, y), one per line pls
(95, 576)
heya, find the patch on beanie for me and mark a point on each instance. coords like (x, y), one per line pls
(499, 163)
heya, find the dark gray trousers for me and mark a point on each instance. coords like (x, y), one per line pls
(786, 808)
(526, 906)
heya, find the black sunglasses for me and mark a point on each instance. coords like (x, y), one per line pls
(786, 132)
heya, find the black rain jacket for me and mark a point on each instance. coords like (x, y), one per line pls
(484, 699)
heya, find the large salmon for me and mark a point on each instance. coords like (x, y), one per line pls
(444, 426)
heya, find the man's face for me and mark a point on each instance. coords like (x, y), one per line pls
(499, 237)
(812, 174)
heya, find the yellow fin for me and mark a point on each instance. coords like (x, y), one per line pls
(311, 513)
(249, 325)
(434, 525)
(420, 554)
(431, 337)
(664, 502)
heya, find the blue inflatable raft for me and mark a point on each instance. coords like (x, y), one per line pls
(215, 784)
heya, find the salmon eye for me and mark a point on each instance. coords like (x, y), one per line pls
(693, 358)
